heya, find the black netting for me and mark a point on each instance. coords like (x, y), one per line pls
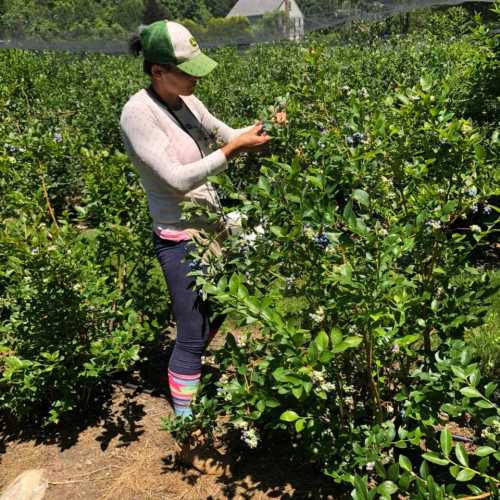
(23, 32)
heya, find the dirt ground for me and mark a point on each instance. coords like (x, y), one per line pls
(119, 452)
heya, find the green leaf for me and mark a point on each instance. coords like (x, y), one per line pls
(272, 403)
(487, 405)
(445, 441)
(321, 341)
(264, 185)
(450, 409)
(424, 469)
(470, 392)
(300, 424)
(461, 454)
(242, 292)
(234, 282)
(454, 470)
(348, 215)
(466, 356)
(489, 389)
(289, 416)
(278, 231)
(361, 197)
(404, 463)
(475, 377)
(435, 458)
(483, 451)
(483, 464)
(361, 487)
(336, 336)
(425, 84)
(405, 481)
(403, 99)
(380, 470)
(458, 372)
(475, 490)
(326, 357)
(407, 340)
(387, 488)
(280, 374)
(465, 475)
(315, 181)
(393, 472)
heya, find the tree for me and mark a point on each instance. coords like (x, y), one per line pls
(195, 10)
(154, 11)
(129, 14)
(220, 8)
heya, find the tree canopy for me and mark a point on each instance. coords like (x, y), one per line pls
(93, 19)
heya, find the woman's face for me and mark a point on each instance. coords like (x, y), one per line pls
(173, 80)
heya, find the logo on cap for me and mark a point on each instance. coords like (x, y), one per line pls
(193, 42)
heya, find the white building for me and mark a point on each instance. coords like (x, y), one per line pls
(255, 9)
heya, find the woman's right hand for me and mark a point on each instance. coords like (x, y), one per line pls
(250, 141)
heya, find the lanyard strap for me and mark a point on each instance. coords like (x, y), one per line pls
(151, 91)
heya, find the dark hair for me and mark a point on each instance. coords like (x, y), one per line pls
(135, 45)
(135, 48)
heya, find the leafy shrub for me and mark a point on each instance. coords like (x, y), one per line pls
(81, 292)
(361, 207)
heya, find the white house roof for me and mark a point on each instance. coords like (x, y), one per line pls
(249, 8)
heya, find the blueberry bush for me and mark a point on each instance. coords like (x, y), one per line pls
(80, 291)
(354, 265)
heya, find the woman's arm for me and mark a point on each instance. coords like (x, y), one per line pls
(148, 142)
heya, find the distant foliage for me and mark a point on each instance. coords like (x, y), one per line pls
(93, 19)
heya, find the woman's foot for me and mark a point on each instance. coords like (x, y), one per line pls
(199, 454)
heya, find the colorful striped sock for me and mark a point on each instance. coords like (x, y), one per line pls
(183, 389)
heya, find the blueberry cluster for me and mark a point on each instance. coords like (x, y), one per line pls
(320, 127)
(434, 224)
(444, 143)
(355, 139)
(486, 209)
(195, 265)
(321, 241)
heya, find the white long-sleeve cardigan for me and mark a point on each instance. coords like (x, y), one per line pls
(169, 161)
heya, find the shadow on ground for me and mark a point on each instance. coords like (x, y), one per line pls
(115, 449)
(122, 421)
(271, 471)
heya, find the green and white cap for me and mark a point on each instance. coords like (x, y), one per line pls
(167, 42)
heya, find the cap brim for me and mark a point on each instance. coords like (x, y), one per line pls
(200, 65)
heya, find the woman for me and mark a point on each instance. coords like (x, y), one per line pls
(168, 134)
